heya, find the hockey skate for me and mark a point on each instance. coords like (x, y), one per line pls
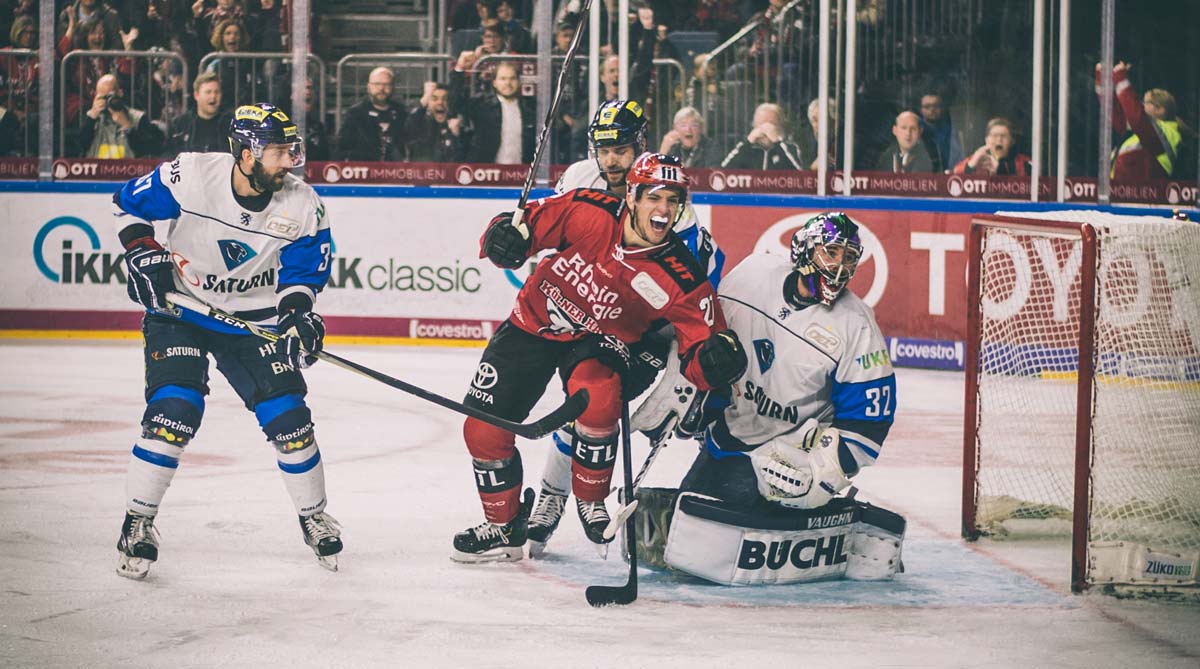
(137, 547)
(594, 518)
(493, 542)
(543, 522)
(322, 533)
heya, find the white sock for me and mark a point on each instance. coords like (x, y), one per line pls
(556, 474)
(304, 477)
(152, 465)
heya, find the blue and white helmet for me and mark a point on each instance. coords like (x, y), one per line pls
(262, 124)
(826, 251)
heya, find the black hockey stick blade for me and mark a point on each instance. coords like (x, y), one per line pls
(569, 411)
(620, 595)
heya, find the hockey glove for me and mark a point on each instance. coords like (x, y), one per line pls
(800, 476)
(151, 274)
(722, 359)
(303, 335)
(503, 244)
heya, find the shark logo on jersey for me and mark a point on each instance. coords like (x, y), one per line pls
(234, 253)
(764, 350)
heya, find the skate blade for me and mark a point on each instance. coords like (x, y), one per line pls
(329, 562)
(537, 549)
(619, 519)
(503, 554)
(602, 550)
(134, 568)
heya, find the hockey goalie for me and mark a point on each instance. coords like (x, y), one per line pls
(761, 504)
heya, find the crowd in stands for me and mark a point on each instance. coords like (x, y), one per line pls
(118, 107)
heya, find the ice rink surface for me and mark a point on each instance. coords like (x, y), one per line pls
(236, 586)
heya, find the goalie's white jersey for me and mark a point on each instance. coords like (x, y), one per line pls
(825, 363)
(238, 260)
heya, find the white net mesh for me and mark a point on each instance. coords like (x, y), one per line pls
(1146, 407)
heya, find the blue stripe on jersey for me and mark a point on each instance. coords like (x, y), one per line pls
(872, 401)
(716, 451)
(147, 198)
(155, 458)
(301, 467)
(861, 446)
(189, 395)
(268, 410)
(307, 261)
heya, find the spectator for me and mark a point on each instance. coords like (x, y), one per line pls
(720, 16)
(688, 141)
(207, 17)
(237, 76)
(95, 10)
(937, 131)
(808, 141)
(373, 128)
(906, 154)
(266, 27)
(19, 81)
(90, 34)
(470, 16)
(499, 126)
(431, 135)
(204, 129)
(113, 129)
(520, 40)
(11, 141)
(316, 137)
(766, 146)
(1151, 149)
(996, 156)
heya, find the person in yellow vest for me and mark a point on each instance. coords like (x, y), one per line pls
(1151, 149)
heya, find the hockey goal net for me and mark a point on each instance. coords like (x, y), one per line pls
(1083, 393)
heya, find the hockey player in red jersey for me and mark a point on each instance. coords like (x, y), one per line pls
(619, 268)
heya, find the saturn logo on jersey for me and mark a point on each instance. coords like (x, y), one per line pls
(764, 350)
(234, 252)
(486, 377)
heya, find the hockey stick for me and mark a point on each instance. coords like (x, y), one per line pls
(548, 122)
(564, 414)
(606, 595)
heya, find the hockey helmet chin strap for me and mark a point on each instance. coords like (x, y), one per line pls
(250, 177)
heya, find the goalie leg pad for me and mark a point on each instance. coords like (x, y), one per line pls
(715, 541)
(653, 513)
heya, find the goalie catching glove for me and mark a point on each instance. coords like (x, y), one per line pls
(504, 244)
(302, 332)
(802, 475)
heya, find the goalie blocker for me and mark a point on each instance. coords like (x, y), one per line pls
(705, 537)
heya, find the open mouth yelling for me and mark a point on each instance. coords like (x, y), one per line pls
(659, 224)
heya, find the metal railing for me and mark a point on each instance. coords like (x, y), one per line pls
(139, 75)
(266, 76)
(411, 71)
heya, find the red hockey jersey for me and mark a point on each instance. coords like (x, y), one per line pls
(596, 285)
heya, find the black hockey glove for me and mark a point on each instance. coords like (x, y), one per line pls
(722, 358)
(150, 273)
(303, 334)
(503, 244)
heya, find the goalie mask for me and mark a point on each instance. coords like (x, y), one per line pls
(826, 251)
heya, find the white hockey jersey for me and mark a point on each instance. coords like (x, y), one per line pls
(238, 260)
(825, 363)
(586, 174)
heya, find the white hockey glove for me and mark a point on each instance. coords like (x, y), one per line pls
(802, 475)
(660, 413)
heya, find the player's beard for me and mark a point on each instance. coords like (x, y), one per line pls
(267, 182)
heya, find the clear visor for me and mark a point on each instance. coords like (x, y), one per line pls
(274, 155)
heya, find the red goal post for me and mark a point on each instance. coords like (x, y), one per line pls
(1082, 412)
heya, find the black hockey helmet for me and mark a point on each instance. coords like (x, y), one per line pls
(618, 123)
(261, 124)
(824, 271)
